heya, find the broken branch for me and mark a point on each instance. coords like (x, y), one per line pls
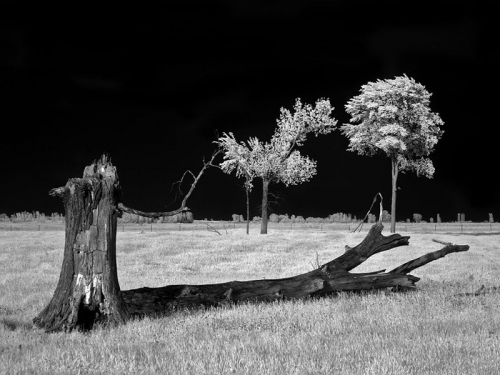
(429, 257)
(155, 215)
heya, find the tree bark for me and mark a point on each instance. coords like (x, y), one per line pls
(429, 257)
(265, 192)
(88, 289)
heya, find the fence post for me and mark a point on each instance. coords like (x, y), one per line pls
(151, 227)
(462, 227)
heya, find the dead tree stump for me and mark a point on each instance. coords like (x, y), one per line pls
(88, 289)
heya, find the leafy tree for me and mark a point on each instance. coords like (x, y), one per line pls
(393, 116)
(278, 160)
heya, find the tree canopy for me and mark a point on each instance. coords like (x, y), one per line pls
(393, 116)
(277, 160)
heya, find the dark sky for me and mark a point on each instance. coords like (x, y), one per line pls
(151, 83)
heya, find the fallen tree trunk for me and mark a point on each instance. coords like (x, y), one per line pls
(88, 290)
(328, 279)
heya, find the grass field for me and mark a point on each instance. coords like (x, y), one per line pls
(430, 331)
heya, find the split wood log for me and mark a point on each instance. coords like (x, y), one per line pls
(88, 291)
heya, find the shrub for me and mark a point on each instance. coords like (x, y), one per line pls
(285, 221)
(386, 216)
(334, 218)
(56, 217)
(339, 217)
(284, 218)
(183, 217)
(299, 219)
(315, 220)
(273, 218)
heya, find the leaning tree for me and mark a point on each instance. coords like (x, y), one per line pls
(393, 117)
(278, 160)
(88, 291)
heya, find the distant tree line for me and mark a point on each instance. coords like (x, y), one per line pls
(340, 217)
(184, 217)
(35, 216)
(275, 218)
(187, 217)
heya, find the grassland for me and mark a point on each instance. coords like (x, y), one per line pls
(430, 331)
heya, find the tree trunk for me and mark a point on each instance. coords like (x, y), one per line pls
(330, 278)
(395, 170)
(265, 192)
(248, 211)
(88, 289)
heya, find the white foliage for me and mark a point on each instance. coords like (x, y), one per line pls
(277, 160)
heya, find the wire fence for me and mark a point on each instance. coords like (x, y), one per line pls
(225, 226)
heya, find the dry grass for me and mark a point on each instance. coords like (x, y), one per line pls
(430, 331)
